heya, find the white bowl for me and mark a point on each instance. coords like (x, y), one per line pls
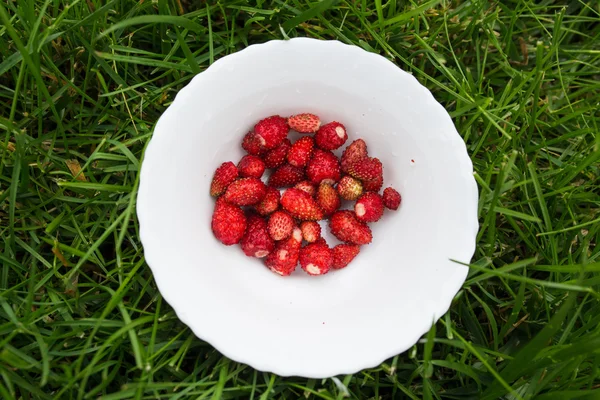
(346, 320)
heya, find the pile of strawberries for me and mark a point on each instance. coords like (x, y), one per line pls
(273, 225)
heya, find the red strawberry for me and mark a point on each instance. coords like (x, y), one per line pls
(301, 205)
(349, 188)
(316, 258)
(343, 254)
(369, 207)
(245, 192)
(256, 241)
(271, 131)
(228, 223)
(252, 144)
(304, 123)
(391, 198)
(301, 151)
(284, 258)
(280, 225)
(328, 199)
(366, 169)
(311, 231)
(307, 186)
(347, 228)
(251, 166)
(373, 185)
(224, 176)
(269, 203)
(355, 151)
(276, 157)
(286, 175)
(323, 166)
(331, 136)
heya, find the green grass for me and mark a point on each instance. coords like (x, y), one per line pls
(81, 87)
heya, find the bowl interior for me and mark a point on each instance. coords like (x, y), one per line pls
(302, 325)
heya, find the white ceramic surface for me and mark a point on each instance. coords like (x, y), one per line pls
(346, 320)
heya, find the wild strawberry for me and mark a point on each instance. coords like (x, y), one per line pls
(373, 185)
(347, 228)
(256, 241)
(369, 207)
(307, 186)
(224, 176)
(251, 166)
(281, 261)
(271, 131)
(311, 231)
(269, 203)
(349, 188)
(276, 157)
(228, 222)
(391, 198)
(301, 151)
(245, 192)
(355, 151)
(316, 258)
(286, 175)
(284, 259)
(323, 166)
(328, 199)
(301, 205)
(366, 169)
(280, 225)
(304, 123)
(331, 136)
(343, 254)
(252, 144)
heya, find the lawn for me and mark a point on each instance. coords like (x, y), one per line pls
(82, 85)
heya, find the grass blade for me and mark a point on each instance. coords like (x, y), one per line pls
(153, 19)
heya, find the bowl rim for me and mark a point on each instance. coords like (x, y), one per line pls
(450, 288)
